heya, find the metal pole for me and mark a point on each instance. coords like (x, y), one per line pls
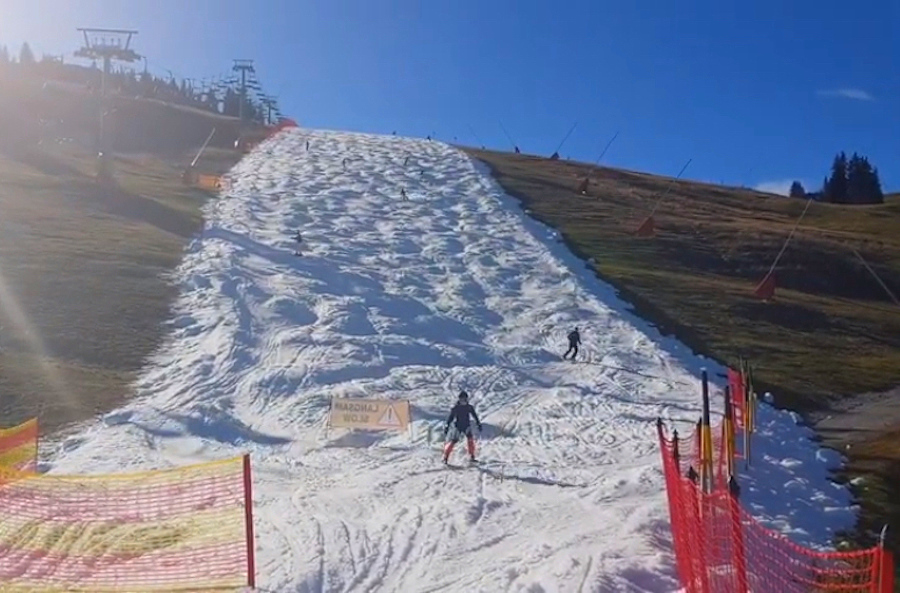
(558, 148)
(508, 137)
(202, 148)
(243, 94)
(671, 183)
(608, 144)
(881, 569)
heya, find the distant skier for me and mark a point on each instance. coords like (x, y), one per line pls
(574, 342)
(459, 418)
(403, 194)
(299, 239)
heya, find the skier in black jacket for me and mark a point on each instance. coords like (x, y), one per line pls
(459, 417)
(574, 341)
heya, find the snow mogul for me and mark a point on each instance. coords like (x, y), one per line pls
(459, 418)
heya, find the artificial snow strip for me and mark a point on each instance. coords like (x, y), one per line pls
(454, 288)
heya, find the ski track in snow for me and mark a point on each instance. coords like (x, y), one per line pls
(454, 288)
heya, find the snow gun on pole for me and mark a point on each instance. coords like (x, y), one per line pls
(608, 144)
(647, 226)
(555, 155)
(508, 137)
(669, 187)
(582, 189)
(477, 139)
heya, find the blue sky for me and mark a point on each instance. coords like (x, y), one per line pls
(754, 92)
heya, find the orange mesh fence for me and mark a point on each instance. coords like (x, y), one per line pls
(19, 447)
(187, 529)
(209, 182)
(720, 548)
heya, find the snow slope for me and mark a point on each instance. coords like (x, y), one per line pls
(453, 288)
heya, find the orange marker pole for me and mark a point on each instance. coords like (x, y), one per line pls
(248, 514)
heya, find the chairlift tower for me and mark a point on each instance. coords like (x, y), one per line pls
(106, 45)
(269, 103)
(243, 66)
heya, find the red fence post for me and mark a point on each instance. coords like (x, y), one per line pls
(728, 433)
(37, 443)
(887, 572)
(248, 514)
(695, 526)
(738, 554)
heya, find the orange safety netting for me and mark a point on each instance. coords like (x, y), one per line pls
(19, 446)
(720, 548)
(186, 529)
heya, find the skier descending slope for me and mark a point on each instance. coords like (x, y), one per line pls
(459, 417)
(574, 341)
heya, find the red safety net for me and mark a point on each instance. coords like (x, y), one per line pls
(720, 548)
(285, 123)
(19, 446)
(738, 397)
(185, 529)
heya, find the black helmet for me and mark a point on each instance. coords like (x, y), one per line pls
(463, 395)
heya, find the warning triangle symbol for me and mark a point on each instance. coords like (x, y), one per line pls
(389, 418)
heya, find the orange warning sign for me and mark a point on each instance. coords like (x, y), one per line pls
(371, 414)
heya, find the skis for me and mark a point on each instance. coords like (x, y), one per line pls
(470, 463)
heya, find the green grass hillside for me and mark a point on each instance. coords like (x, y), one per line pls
(832, 330)
(83, 266)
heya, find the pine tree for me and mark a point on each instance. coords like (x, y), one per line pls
(835, 189)
(26, 56)
(859, 173)
(231, 103)
(863, 185)
(797, 190)
(876, 194)
(212, 100)
(853, 181)
(4, 55)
